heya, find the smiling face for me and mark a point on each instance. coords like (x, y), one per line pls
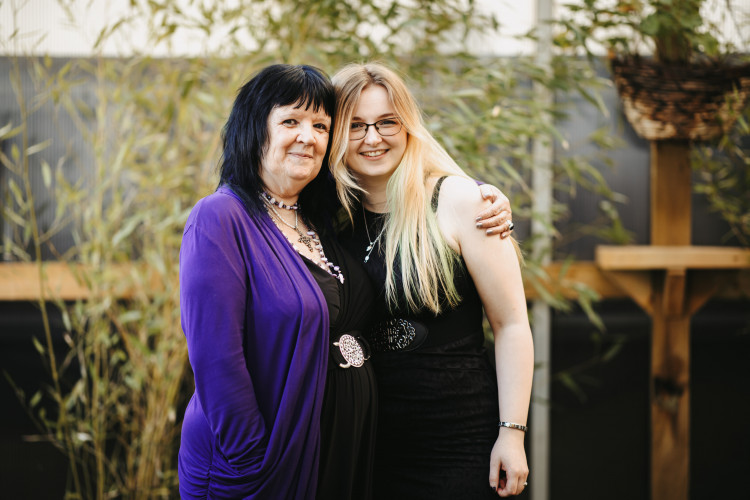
(297, 144)
(375, 157)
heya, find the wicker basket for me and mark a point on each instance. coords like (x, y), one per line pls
(696, 102)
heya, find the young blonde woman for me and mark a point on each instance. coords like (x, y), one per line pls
(449, 424)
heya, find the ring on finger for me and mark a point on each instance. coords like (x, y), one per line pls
(511, 225)
(525, 483)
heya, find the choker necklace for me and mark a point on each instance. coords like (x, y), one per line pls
(273, 201)
(371, 246)
(310, 239)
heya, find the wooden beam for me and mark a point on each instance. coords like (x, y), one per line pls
(636, 284)
(671, 193)
(567, 278)
(19, 281)
(639, 257)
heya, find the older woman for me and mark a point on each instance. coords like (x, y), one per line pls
(261, 287)
(440, 399)
(272, 309)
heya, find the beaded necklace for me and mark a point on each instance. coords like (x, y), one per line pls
(273, 201)
(311, 239)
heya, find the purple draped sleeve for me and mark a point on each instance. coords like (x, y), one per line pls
(256, 326)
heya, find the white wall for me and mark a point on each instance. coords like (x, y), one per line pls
(46, 28)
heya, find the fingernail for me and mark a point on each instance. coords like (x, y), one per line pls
(478, 218)
(479, 224)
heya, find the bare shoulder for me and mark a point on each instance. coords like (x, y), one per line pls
(458, 194)
(458, 203)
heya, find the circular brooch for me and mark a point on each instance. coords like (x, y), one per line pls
(351, 351)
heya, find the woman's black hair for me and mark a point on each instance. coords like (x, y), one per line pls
(245, 134)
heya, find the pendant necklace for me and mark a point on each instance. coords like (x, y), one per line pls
(372, 243)
(310, 239)
(303, 238)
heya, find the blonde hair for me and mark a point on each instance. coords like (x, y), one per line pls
(426, 261)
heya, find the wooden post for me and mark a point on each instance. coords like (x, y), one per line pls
(670, 391)
(671, 195)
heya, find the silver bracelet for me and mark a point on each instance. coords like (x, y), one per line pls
(511, 425)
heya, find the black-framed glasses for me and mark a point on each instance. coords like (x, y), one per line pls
(385, 127)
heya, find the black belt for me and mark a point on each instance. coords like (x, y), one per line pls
(397, 334)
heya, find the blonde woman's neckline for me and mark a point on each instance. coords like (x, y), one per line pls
(376, 208)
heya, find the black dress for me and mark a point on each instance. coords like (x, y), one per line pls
(437, 391)
(349, 415)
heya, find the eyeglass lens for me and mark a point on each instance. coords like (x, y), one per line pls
(385, 127)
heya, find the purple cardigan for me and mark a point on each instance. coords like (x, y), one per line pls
(256, 325)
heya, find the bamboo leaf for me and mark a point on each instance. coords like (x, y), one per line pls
(612, 352)
(126, 231)
(66, 320)
(38, 346)
(569, 382)
(13, 217)
(46, 174)
(38, 147)
(35, 399)
(17, 194)
(130, 316)
(8, 131)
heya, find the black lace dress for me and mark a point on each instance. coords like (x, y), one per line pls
(437, 390)
(348, 418)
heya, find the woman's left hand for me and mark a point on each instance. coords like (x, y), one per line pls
(508, 456)
(497, 218)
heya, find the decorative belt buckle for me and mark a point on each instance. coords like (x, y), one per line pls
(351, 351)
(395, 334)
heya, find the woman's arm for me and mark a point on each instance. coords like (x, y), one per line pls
(494, 266)
(213, 307)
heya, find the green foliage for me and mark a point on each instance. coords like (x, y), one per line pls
(723, 177)
(151, 129)
(678, 33)
(674, 31)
